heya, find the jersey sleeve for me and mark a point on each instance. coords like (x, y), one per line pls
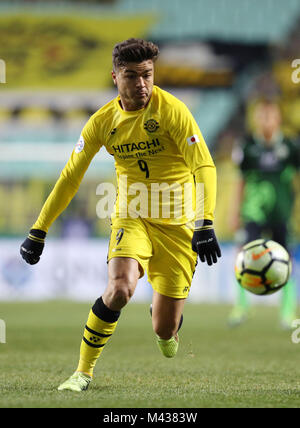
(71, 176)
(185, 131)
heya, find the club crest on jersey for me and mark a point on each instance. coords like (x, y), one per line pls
(79, 145)
(151, 125)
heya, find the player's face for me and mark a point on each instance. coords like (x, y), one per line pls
(135, 83)
(268, 119)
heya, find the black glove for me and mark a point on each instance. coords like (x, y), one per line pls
(205, 243)
(33, 246)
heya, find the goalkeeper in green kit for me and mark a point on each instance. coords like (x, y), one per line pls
(269, 163)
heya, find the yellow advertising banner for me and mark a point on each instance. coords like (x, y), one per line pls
(63, 51)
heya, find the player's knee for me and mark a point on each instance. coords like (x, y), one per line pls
(121, 290)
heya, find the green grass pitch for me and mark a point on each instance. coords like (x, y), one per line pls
(255, 365)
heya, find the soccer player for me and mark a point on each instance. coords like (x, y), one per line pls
(154, 140)
(269, 162)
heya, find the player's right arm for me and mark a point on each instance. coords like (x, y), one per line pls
(191, 143)
(63, 192)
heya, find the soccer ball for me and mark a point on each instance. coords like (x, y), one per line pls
(263, 267)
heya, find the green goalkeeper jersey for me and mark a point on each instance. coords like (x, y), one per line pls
(268, 172)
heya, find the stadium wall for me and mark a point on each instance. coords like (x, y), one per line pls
(77, 270)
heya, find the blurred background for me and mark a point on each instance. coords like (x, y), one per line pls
(218, 56)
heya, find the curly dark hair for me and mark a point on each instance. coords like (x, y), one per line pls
(134, 50)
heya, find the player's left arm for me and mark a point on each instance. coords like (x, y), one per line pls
(198, 158)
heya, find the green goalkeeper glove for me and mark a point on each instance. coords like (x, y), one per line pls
(205, 243)
(33, 246)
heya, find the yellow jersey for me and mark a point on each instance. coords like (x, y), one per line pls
(159, 155)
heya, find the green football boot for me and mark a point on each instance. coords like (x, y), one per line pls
(77, 382)
(169, 347)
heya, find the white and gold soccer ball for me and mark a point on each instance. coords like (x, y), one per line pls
(263, 267)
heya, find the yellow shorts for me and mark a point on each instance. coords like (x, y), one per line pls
(163, 251)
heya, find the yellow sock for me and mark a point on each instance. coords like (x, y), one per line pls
(100, 326)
